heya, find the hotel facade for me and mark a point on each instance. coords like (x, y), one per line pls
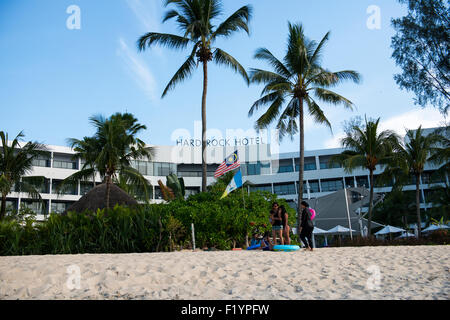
(267, 171)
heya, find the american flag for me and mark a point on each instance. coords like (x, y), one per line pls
(230, 163)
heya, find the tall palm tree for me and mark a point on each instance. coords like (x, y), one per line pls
(116, 146)
(86, 149)
(410, 159)
(195, 19)
(15, 162)
(297, 80)
(367, 148)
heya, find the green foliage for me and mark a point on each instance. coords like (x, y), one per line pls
(421, 48)
(15, 162)
(148, 228)
(199, 29)
(174, 188)
(397, 206)
(111, 152)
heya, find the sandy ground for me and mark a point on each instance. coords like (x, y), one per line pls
(328, 273)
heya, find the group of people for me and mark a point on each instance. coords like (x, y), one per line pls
(280, 227)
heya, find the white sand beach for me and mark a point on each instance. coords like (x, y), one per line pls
(329, 273)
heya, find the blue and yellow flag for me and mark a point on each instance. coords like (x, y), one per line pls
(235, 183)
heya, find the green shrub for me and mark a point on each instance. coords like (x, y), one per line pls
(219, 224)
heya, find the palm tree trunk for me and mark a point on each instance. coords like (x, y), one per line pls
(108, 190)
(3, 206)
(369, 224)
(301, 167)
(205, 89)
(419, 220)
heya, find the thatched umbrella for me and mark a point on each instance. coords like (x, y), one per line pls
(96, 199)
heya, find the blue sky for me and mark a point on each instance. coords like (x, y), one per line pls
(53, 78)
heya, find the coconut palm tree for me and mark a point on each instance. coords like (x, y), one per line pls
(297, 80)
(85, 149)
(15, 162)
(410, 159)
(110, 152)
(196, 21)
(367, 148)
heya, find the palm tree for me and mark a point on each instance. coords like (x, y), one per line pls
(297, 80)
(85, 149)
(15, 162)
(410, 159)
(367, 148)
(195, 19)
(110, 152)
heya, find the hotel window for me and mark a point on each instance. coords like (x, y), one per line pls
(144, 167)
(331, 185)
(284, 189)
(314, 186)
(35, 206)
(349, 182)
(265, 187)
(285, 165)
(325, 163)
(11, 205)
(255, 168)
(378, 183)
(41, 161)
(362, 181)
(305, 188)
(85, 187)
(82, 163)
(67, 190)
(158, 193)
(429, 177)
(310, 164)
(41, 185)
(162, 169)
(64, 162)
(59, 207)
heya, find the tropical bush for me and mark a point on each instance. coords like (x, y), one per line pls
(220, 224)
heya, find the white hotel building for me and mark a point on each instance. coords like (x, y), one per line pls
(276, 173)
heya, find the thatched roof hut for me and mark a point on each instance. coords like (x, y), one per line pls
(96, 199)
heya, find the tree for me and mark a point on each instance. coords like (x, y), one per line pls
(116, 145)
(173, 189)
(195, 19)
(297, 80)
(422, 48)
(410, 159)
(396, 209)
(86, 149)
(15, 162)
(366, 147)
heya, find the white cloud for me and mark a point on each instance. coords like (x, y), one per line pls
(146, 12)
(138, 70)
(427, 118)
(148, 15)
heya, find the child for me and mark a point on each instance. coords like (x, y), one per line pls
(266, 244)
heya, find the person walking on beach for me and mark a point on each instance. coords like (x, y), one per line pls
(277, 224)
(286, 228)
(306, 226)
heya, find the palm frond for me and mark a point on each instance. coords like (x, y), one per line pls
(279, 67)
(163, 39)
(317, 113)
(223, 58)
(332, 97)
(183, 72)
(237, 21)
